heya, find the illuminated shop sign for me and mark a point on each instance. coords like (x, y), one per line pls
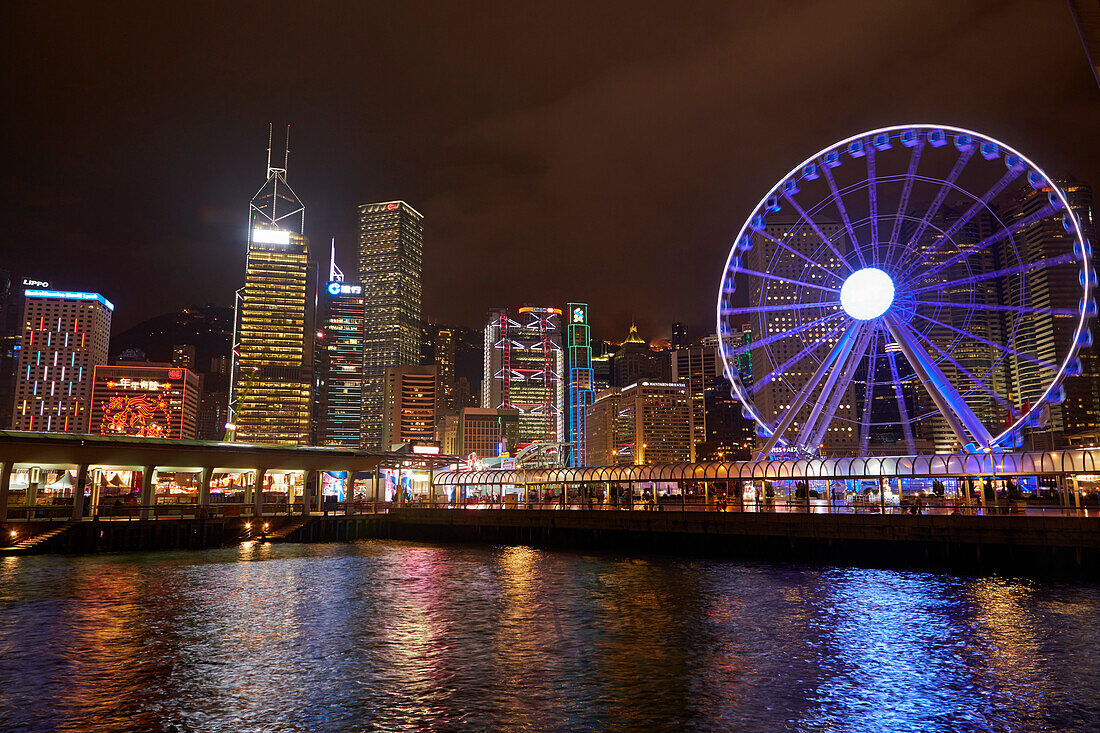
(270, 236)
(28, 283)
(69, 295)
(339, 288)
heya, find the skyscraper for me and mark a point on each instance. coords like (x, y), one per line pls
(1048, 334)
(65, 336)
(679, 336)
(340, 398)
(697, 367)
(391, 250)
(410, 397)
(523, 370)
(146, 401)
(272, 355)
(581, 378)
(643, 423)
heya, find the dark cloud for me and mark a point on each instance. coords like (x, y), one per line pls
(602, 151)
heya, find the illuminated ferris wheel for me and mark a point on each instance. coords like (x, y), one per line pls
(911, 288)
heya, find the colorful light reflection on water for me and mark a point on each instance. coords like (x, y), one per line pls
(403, 636)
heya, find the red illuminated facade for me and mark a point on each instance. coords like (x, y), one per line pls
(147, 401)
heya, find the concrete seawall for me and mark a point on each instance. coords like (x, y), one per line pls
(1009, 543)
(1015, 543)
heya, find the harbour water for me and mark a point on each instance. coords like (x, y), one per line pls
(399, 636)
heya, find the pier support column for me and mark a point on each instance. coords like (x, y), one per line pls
(5, 483)
(258, 492)
(147, 492)
(34, 475)
(349, 490)
(312, 481)
(78, 491)
(96, 481)
(206, 475)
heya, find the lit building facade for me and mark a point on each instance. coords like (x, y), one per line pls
(145, 402)
(410, 397)
(1047, 334)
(65, 335)
(771, 396)
(581, 379)
(340, 387)
(481, 431)
(634, 360)
(697, 367)
(524, 363)
(643, 423)
(391, 247)
(272, 344)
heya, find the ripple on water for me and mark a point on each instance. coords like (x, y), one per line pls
(400, 636)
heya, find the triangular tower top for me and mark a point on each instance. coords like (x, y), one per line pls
(276, 204)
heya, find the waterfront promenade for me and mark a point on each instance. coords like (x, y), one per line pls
(1012, 510)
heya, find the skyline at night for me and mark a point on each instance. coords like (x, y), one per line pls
(553, 160)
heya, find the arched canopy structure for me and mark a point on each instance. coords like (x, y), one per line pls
(1085, 461)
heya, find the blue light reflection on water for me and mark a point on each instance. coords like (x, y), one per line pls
(405, 636)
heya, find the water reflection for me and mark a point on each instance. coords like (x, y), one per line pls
(403, 636)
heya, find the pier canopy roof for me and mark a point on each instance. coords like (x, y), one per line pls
(944, 465)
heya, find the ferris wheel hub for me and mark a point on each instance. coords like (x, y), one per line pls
(866, 294)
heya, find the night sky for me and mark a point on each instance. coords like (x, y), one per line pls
(600, 151)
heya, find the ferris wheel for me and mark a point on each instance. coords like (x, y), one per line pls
(911, 288)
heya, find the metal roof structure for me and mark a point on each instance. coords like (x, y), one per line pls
(926, 466)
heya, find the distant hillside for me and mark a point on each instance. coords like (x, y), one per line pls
(209, 328)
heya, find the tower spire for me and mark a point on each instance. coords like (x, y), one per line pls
(286, 157)
(335, 274)
(268, 174)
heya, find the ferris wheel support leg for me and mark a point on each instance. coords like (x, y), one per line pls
(843, 345)
(835, 388)
(955, 411)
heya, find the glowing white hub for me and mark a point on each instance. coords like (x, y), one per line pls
(867, 294)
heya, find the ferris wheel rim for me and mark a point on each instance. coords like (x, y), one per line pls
(1087, 275)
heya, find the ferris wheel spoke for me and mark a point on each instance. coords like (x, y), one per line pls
(903, 411)
(788, 280)
(1000, 308)
(958, 224)
(868, 400)
(743, 310)
(817, 230)
(992, 239)
(839, 351)
(779, 243)
(816, 427)
(839, 201)
(1026, 267)
(937, 202)
(872, 200)
(759, 384)
(966, 372)
(951, 405)
(742, 350)
(1006, 349)
(903, 203)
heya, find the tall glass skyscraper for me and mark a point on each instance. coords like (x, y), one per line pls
(524, 363)
(341, 386)
(391, 248)
(272, 356)
(581, 380)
